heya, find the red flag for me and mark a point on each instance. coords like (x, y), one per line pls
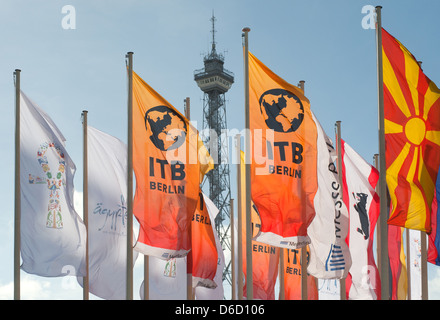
(412, 136)
(359, 180)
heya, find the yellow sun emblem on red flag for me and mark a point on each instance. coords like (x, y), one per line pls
(412, 136)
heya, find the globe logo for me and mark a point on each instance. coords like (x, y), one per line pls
(282, 110)
(168, 128)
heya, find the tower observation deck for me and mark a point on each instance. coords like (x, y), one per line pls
(214, 80)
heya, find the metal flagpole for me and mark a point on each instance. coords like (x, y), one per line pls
(408, 263)
(146, 277)
(85, 204)
(233, 264)
(338, 147)
(17, 217)
(424, 267)
(239, 221)
(382, 165)
(303, 260)
(424, 254)
(189, 288)
(129, 279)
(249, 276)
(281, 274)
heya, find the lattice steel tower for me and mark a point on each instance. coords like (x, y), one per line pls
(215, 81)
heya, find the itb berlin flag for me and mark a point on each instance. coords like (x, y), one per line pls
(107, 212)
(52, 234)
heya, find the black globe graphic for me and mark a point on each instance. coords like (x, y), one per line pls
(282, 110)
(168, 128)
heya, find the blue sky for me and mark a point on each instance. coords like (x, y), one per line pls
(68, 70)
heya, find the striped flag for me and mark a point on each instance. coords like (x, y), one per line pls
(412, 136)
(359, 180)
(434, 237)
(399, 279)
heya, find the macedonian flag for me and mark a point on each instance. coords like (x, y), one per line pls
(412, 136)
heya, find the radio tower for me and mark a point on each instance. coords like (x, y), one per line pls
(215, 81)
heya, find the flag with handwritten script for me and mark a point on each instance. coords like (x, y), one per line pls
(53, 236)
(107, 212)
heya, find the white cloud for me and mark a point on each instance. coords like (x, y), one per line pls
(30, 289)
(434, 286)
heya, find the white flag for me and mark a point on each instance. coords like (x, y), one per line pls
(167, 279)
(359, 182)
(53, 236)
(107, 212)
(329, 289)
(415, 264)
(329, 253)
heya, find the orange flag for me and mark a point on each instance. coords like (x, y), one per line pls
(265, 258)
(284, 157)
(169, 161)
(412, 136)
(203, 253)
(292, 276)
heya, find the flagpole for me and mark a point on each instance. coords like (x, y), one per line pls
(239, 220)
(339, 150)
(233, 275)
(129, 277)
(408, 263)
(424, 267)
(281, 274)
(17, 217)
(249, 276)
(189, 288)
(303, 260)
(85, 204)
(424, 253)
(384, 275)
